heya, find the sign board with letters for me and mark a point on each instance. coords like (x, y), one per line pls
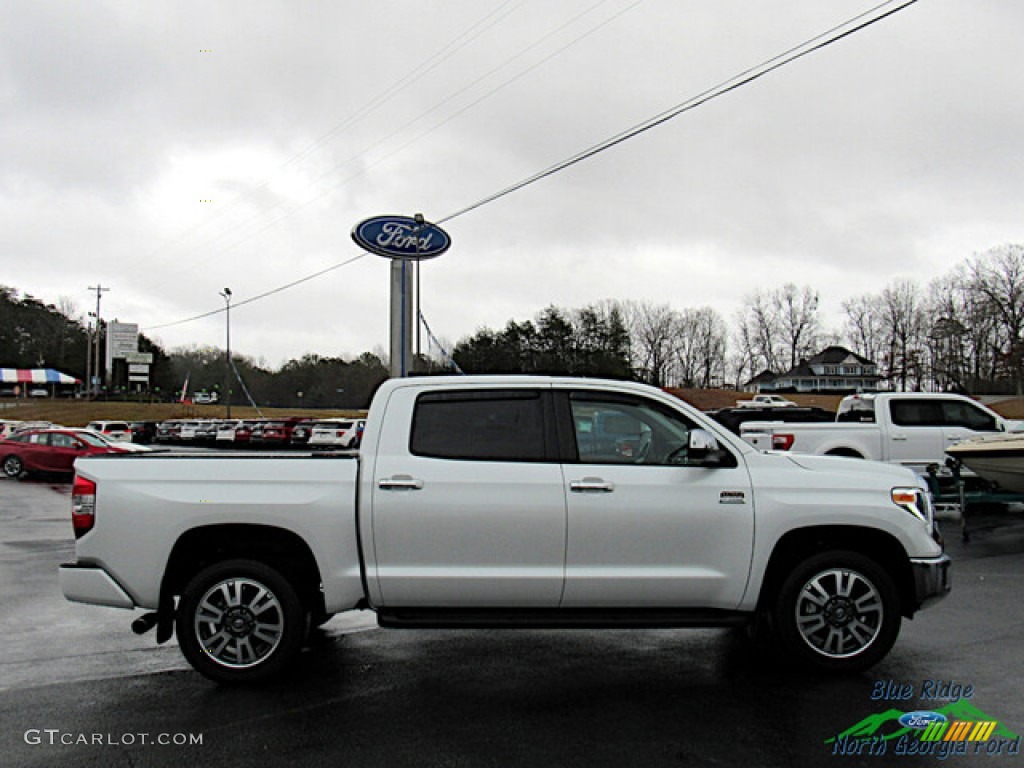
(122, 339)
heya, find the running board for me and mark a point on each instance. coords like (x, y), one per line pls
(557, 618)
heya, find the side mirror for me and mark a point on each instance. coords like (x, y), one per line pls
(703, 449)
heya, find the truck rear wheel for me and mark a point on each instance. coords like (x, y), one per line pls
(240, 621)
(838, 611)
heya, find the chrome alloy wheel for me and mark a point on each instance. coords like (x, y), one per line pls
(839, 613)
(238, 622)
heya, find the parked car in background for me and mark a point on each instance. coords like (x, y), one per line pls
(766, 401)
(733, 418)
(206, 431)
(335, 433)
(187, 432)
(244, 432)
(912, 429)
(38, 392)
(49, 450)
(143, 432)
(27, 426)
(115, 430)
(226, 431)
(301, 432)
(256, 433)
(125, 446)
(168, 431)
(204, 398)
(277, 433)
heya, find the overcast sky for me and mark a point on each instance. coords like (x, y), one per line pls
(170, 149)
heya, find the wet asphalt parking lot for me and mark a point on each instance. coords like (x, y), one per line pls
(78, 688)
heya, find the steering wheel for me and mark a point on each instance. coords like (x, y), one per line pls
(644, 449)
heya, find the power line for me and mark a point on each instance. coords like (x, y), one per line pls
(833, 35)
(816, 43)
(457, 43)
(366, 168)
(263, 295)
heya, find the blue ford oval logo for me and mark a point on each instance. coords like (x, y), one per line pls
(921, 719)
(401, 237)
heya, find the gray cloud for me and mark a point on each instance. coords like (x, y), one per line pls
(895, 153)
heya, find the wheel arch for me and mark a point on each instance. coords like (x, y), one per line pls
(845, 450)
(276, 547)
(799, 544)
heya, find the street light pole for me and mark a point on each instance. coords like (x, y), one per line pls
(226, 295)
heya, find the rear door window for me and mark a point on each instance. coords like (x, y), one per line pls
(916, 413)
(491, 425)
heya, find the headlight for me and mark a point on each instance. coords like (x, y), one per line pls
(915, 501)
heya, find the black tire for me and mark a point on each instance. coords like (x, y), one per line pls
(240, 621)
(838, 611)
(13, 466)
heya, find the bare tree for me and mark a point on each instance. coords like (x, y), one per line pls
(865, 325)
(906, 325)
(654, 333)
(743, 364)
(796, 311)
(998, 275)
(701, 348)
(761, 327)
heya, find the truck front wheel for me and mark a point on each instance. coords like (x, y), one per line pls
(240, 621)
(838, 611)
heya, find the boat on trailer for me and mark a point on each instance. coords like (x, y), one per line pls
(999, 459)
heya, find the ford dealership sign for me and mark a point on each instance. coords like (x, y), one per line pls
(401, 237)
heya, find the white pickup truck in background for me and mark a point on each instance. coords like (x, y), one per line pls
(765, 401)
(912, 429)
(507, 501)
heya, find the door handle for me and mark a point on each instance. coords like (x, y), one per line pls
(591, 485)
(400, 483)
(901, 438)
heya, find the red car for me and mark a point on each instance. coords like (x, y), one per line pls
(277, 432)
(48, 450)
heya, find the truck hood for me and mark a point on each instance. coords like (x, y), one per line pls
(878, 470)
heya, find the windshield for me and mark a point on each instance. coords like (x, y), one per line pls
(94, 440)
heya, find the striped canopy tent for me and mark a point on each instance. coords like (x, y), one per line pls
(35, 376)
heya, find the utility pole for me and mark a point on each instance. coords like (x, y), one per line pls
(226, 295)
(99, 294)
(88, 358)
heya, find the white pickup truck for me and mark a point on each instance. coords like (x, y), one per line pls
(912, 429)
(507, 501)
(765, 401)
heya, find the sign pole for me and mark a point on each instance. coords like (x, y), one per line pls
(401, 314)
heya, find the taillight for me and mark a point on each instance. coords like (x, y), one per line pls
(782, 442)
(83, 506)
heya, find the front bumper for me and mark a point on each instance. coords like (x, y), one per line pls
(931, 579)
(91, 584)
